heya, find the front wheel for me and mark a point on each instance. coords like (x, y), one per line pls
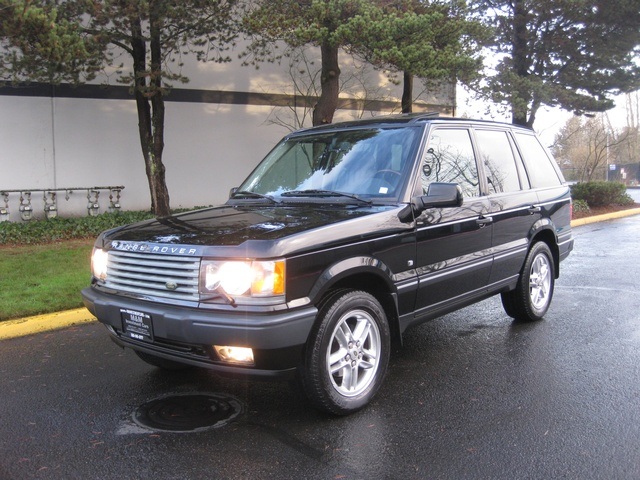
(532, 296)
(347, 354)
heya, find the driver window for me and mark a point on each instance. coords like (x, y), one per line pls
(450, 158)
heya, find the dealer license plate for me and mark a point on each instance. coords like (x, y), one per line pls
(137, 325)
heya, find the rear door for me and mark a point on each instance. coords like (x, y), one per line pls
(453, 260)
(547, 181)
(513, 205)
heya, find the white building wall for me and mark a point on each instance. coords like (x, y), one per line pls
(214, 150)
(26, 141)
(55, 143)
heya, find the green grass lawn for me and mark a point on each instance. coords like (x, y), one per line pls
(38, 279)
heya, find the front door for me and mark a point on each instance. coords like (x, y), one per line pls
(454, 257)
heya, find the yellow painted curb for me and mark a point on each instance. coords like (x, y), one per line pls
(606, 216)
(44, 323)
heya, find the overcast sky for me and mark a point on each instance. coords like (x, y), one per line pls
(548, 120)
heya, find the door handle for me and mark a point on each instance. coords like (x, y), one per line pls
(533, 209)
(484, 221)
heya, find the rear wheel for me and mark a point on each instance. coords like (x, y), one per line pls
(532, 296)
(347, 354)
(160, 362)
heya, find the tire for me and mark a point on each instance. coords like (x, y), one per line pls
(347, 353)
(532, 296)
(160, 362)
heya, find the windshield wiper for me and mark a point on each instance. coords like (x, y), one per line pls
(324, 193)
(248, 194)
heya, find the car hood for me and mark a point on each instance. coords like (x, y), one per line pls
(266, 230)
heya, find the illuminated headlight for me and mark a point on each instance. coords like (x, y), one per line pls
(99, 260)
(243, 278)
(238, 355)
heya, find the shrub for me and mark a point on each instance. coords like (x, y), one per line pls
(601, 194)
(56, 229)
(580, 206)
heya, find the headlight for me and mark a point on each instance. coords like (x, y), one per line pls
(99, 260)
(243, 278)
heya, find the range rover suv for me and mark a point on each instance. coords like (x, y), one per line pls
(342, 238)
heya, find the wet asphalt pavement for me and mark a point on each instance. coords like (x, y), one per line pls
(471, 395)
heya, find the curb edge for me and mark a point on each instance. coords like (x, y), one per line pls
(22, 327)
(604, 217)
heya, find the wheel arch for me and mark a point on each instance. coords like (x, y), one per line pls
(545, 233)
(361, 273)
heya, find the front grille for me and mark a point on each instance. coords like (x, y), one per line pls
(151, 275)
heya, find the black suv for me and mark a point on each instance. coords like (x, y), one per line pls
(343, 237)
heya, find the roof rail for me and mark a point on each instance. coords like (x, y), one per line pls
(416, 117)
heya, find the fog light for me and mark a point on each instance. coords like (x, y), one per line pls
(238, 355)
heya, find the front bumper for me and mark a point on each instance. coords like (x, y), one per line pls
(187, 335)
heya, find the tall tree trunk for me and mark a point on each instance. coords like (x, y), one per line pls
(330, 86)
(520, 96)
(407, 92)
(150, 107)
(159, 189)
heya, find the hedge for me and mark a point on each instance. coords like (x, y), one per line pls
(56, 229)
(601, 194)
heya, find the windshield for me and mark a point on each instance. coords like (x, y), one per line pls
(361, 162)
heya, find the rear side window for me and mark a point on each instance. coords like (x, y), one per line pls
(541, 171)
(450, 158)
(498, 160)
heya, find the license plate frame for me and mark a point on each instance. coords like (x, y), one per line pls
(136, 325)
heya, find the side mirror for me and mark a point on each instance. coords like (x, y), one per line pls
(232, 191)
(439, 195)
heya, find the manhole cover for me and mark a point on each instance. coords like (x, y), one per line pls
(188, 412)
